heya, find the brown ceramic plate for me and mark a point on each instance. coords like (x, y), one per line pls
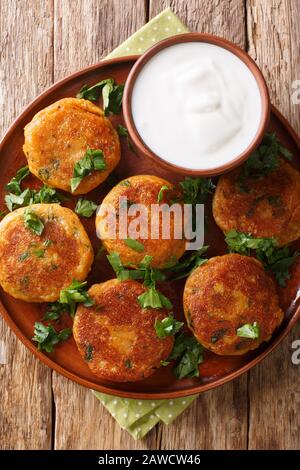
(66, 360)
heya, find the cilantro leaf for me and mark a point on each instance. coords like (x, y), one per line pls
(184, 268)
(277, 260)
(92, 160)
(189, 354)
(263, 160)
(47, 337)
(85, 208)
(196, 190)
(249, 331)
(33, 222)
(112, 95)
(134, 244)
(14, 185)
(122, 131)
(169, 326)
(161, 193)
(73, 294)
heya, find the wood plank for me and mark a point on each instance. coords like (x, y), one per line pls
(26, 69)
(274, 41)
(224, 18)
(84, 32)
(218, 419)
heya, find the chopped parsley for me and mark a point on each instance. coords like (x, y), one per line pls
(112, 95)
(183, 268)
(14, 185)
(277, 260)
(169, 326)
(92, 160)
(263, 160)
(85, 208)
(73, 294)
(188, 353)
(134, 244)
(249, 331)
(89, 351)
(33, 222)
(161, 193)
(47, 337)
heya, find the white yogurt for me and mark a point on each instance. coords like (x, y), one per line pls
(196, 105)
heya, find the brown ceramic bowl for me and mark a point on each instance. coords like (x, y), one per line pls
(141, 146)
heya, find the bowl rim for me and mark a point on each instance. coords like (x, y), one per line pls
(143, 148)
(110, 388)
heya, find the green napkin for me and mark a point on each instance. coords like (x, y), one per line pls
(138, 417)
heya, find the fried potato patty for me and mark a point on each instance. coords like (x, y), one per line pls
(58, 137)
(35, 268)
(225, 294)
(265, 207)
(144, 190)
(116, 337)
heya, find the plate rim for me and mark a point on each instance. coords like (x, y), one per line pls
(109, 389)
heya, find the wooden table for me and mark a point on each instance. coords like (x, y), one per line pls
(45, 40)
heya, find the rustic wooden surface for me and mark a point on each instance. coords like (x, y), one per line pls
(42, 41)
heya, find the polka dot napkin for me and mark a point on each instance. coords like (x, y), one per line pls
(138, 417)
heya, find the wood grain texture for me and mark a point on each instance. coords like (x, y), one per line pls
(26, 29)
(224, 18)
(274, 386)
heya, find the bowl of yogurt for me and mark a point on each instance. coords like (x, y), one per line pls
(196, 104)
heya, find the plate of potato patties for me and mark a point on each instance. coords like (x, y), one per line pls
(141, 317)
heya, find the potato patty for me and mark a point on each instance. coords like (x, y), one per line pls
(145, 190)
(35, 268)
(226, 293)
(59, 136)
(116, 337)
(265, 207)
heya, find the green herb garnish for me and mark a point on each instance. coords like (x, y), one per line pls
(249, 331)
(277, 260)
(31, 196)
(33, 222)
(161, 193)
(89, 351)
(183, 268)
(73, 294)
(47, 337)
(264, 160)
(169, 326)
(122, 131)
(85, 208)
(55, 311)
(128, 364)
(92, 160)
(189, 354)
(134, 244)
(112, 95)
(196, 190)
(14, 185)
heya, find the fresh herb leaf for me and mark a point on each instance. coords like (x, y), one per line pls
(112, 95)
(249, 331)
(73, 294)
(47, 242)
(47, 337)
(161, 193)
(125, 183)
(277, 260)
(2, 214)
(55, 311)
(196, 190)
(154, 299)
(24, 256)
(89, 351)
(33, 222)
(122, 131)
(85, 208)
(189, 354)
(13, 201)
(134, 244)
(183, 268)
(128, 364)
(92, 160)
(169, 326)
(39, 253)
(264, 160)
(14, 185)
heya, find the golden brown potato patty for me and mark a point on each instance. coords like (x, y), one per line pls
(59, 136)
(116, 337)
(35, 268)
(265, 207)
(226, 293)
(142, 189)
